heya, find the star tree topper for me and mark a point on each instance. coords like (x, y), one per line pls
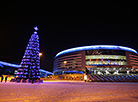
(35, 28)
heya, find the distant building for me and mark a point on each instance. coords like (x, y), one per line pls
(97, 59)
(8, 68)
(11, 69)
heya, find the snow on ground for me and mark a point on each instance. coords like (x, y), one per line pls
(65, 91)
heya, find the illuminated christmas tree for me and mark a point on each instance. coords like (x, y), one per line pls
(30, 64)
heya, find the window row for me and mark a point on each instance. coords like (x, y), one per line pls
(106, 57)
(106, 63)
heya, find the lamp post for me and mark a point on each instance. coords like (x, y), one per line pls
(65, 63)
(40, 54)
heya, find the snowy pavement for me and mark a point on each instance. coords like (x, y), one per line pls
(68, 92)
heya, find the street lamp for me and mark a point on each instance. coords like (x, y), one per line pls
(40, 54)
(65, 63)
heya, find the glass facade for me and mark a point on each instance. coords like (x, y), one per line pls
(105, 52)
(105, 57)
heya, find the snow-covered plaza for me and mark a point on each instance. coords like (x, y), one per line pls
(64, 91)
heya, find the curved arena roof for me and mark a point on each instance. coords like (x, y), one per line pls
(95, 47)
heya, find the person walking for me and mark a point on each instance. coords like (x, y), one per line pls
(1, 78)
(6, 79)
(33, 80)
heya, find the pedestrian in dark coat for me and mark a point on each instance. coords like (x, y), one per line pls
(33, 80)
(1, 78)
(6, 79)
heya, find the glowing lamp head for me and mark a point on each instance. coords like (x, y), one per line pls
(40, 54)
(65, 62)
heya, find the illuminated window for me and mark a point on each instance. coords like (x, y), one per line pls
(106, 63)
(106, 57)
(105, 60)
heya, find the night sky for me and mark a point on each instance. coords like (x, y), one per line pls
(64, 25)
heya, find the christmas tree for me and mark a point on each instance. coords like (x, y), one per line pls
(30, 64)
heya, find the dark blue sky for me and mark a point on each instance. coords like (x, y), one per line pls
(65, 25)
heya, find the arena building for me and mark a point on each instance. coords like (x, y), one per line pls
(98, 59)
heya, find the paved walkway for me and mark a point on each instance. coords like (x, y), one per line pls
(68, 92)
